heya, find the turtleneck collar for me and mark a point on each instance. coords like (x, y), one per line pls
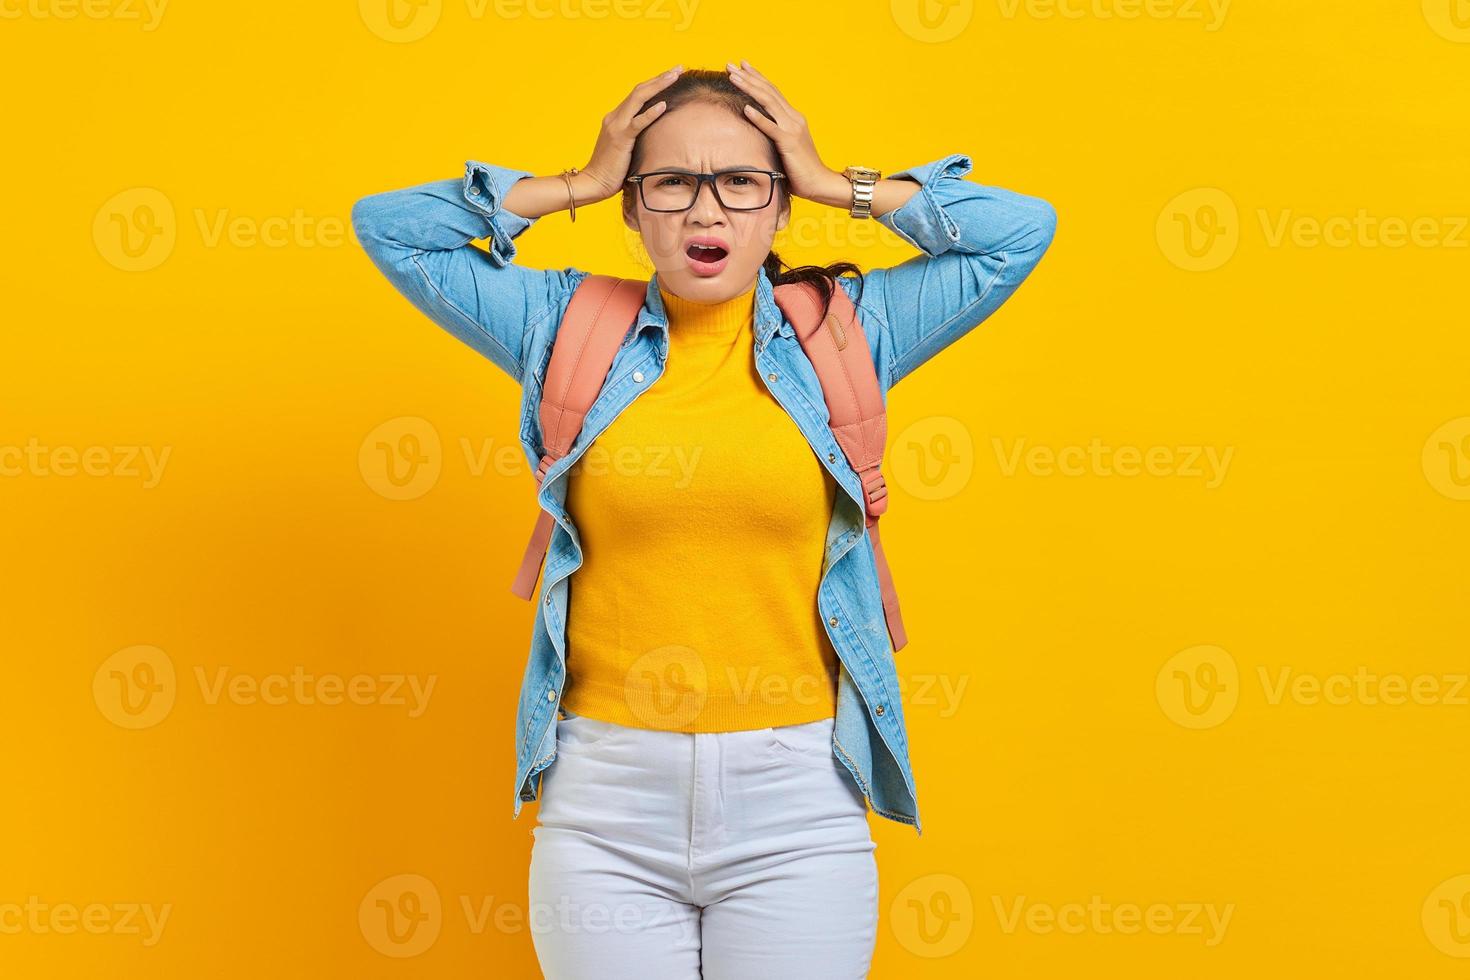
(691, 318)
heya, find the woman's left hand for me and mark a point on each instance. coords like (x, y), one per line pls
(806, 175)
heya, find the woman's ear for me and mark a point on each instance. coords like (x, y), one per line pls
(630, 213)
(784, 216)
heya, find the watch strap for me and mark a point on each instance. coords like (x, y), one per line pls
(863, 180)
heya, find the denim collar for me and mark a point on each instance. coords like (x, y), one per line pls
(768, 318)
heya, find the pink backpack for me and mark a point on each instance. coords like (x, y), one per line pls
(601, 311)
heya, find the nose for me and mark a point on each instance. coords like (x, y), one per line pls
(706, 207)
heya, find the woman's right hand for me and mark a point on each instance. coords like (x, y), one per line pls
(608, 168)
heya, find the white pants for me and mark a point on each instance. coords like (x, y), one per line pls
(671, 856)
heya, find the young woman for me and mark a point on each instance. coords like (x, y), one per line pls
(718, 690)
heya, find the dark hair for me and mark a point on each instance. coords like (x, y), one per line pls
(715, 88)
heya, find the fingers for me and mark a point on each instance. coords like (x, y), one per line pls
(763, 92)
(750, 70)
(748, 74)
(663, 76)
(641, 121)
(626, 110)
(643, 90)
(761, 121)
(648, 86)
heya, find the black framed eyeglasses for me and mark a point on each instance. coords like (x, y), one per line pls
(677, 190)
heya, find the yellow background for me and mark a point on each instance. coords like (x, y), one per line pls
(1092, 686)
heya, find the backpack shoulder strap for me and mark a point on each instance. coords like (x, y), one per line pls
(601, 310)
(835, 343)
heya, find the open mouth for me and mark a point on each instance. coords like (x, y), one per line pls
(705, 253)
(707, 256)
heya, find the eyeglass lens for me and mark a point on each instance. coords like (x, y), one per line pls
(739, 190)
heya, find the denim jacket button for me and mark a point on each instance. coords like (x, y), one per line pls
(638, 376)
(879, 709)
(833, 620)
(771, 376)
(551, 696)
(831, 457)
(474, 191)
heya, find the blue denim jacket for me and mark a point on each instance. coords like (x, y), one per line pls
(978, 244)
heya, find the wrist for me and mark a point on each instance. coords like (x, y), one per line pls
(587, 189)
(835, 190)
(865, 183)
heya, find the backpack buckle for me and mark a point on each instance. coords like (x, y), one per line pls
(875, 491)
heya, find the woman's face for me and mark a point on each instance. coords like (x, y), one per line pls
(704, 138)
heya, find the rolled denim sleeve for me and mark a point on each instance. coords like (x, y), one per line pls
(421, 238)
(978, 242)
(485, 187)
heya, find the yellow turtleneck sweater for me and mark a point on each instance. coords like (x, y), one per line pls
(703, 515)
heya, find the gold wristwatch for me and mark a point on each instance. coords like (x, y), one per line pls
(863, 179)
